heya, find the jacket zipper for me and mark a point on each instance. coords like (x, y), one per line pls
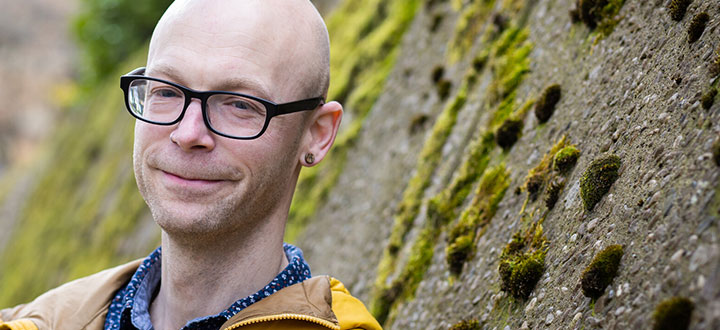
(279, 317)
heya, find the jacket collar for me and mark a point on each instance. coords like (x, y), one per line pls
(310, 301)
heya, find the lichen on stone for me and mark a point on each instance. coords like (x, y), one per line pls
(598, 178)
(697, 26)
(545, 105)
(522, 262)
(677, 9)
(673, 314)
(601, 271)
(466, 325)
(565, 159)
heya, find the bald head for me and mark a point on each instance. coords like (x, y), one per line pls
(279, 48)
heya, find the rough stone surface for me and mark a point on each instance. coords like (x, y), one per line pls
(634, 93)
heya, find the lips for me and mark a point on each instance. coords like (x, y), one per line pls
(195, 179)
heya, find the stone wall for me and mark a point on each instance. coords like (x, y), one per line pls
(631, 86)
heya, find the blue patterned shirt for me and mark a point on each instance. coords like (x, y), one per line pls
(131, 305)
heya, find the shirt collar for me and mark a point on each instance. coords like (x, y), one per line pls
(138, 294)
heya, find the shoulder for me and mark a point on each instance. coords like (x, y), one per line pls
(75, 304)
(350, 311)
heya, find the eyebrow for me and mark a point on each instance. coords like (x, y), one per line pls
(231, 84)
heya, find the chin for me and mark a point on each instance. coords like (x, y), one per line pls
(192, 220)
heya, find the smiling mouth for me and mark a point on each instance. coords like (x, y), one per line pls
(182, 179)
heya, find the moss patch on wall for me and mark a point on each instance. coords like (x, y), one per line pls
(468, 27)
(362, 58)
(522, 262)
(677, 9)
(598, 178)
(599, 15)
(466, 325)
(442, 208)
(601, 271)
(463, 235)
(508, 59)
(673, 314)
(385, 295)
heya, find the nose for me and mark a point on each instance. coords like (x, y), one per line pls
(191, 133)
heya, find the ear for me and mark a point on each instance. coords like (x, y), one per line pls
(320, 132)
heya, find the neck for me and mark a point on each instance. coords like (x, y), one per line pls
(219, 271)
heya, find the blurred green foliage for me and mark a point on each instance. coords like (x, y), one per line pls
(109, 31)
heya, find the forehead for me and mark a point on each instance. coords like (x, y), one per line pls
(211, 45)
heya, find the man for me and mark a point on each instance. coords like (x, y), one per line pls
(218, 170)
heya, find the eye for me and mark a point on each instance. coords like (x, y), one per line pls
(240, 104)
(165, 92)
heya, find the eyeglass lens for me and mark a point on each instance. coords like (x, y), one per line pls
(227, 113)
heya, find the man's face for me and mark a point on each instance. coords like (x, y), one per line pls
(194, 181)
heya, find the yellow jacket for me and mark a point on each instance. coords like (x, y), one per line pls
(321, 302)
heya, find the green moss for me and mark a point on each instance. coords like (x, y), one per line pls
(442, 207)
(480, 60)
(508, 133)
(601, 271)
(443, 88)
(545, 106)
(417, 123)
(677, 9)
(362, 59)
(405, 284)
(697, 26)
(427, 162)
(597, 179)
(409, 207)
(716, 152)
(466, 325)
(541, 172)
(468, 27)
(673, 314)
(565, 159)
(552, 194)
(574, 13)
(510, 64)
(458, 252)
(438, 73)
(600, 15)
(533, 183)
(715, 64)
(84, 205)
(590, 11)
(478, 213)
(708, 98)
(522, 262)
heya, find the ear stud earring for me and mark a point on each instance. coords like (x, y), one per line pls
(309, 158)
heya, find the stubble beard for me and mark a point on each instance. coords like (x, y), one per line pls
(210, 220)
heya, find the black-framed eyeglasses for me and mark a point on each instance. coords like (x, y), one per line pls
(228, 114)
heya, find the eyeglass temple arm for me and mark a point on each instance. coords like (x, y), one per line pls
(137, 72)
(307, 104)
